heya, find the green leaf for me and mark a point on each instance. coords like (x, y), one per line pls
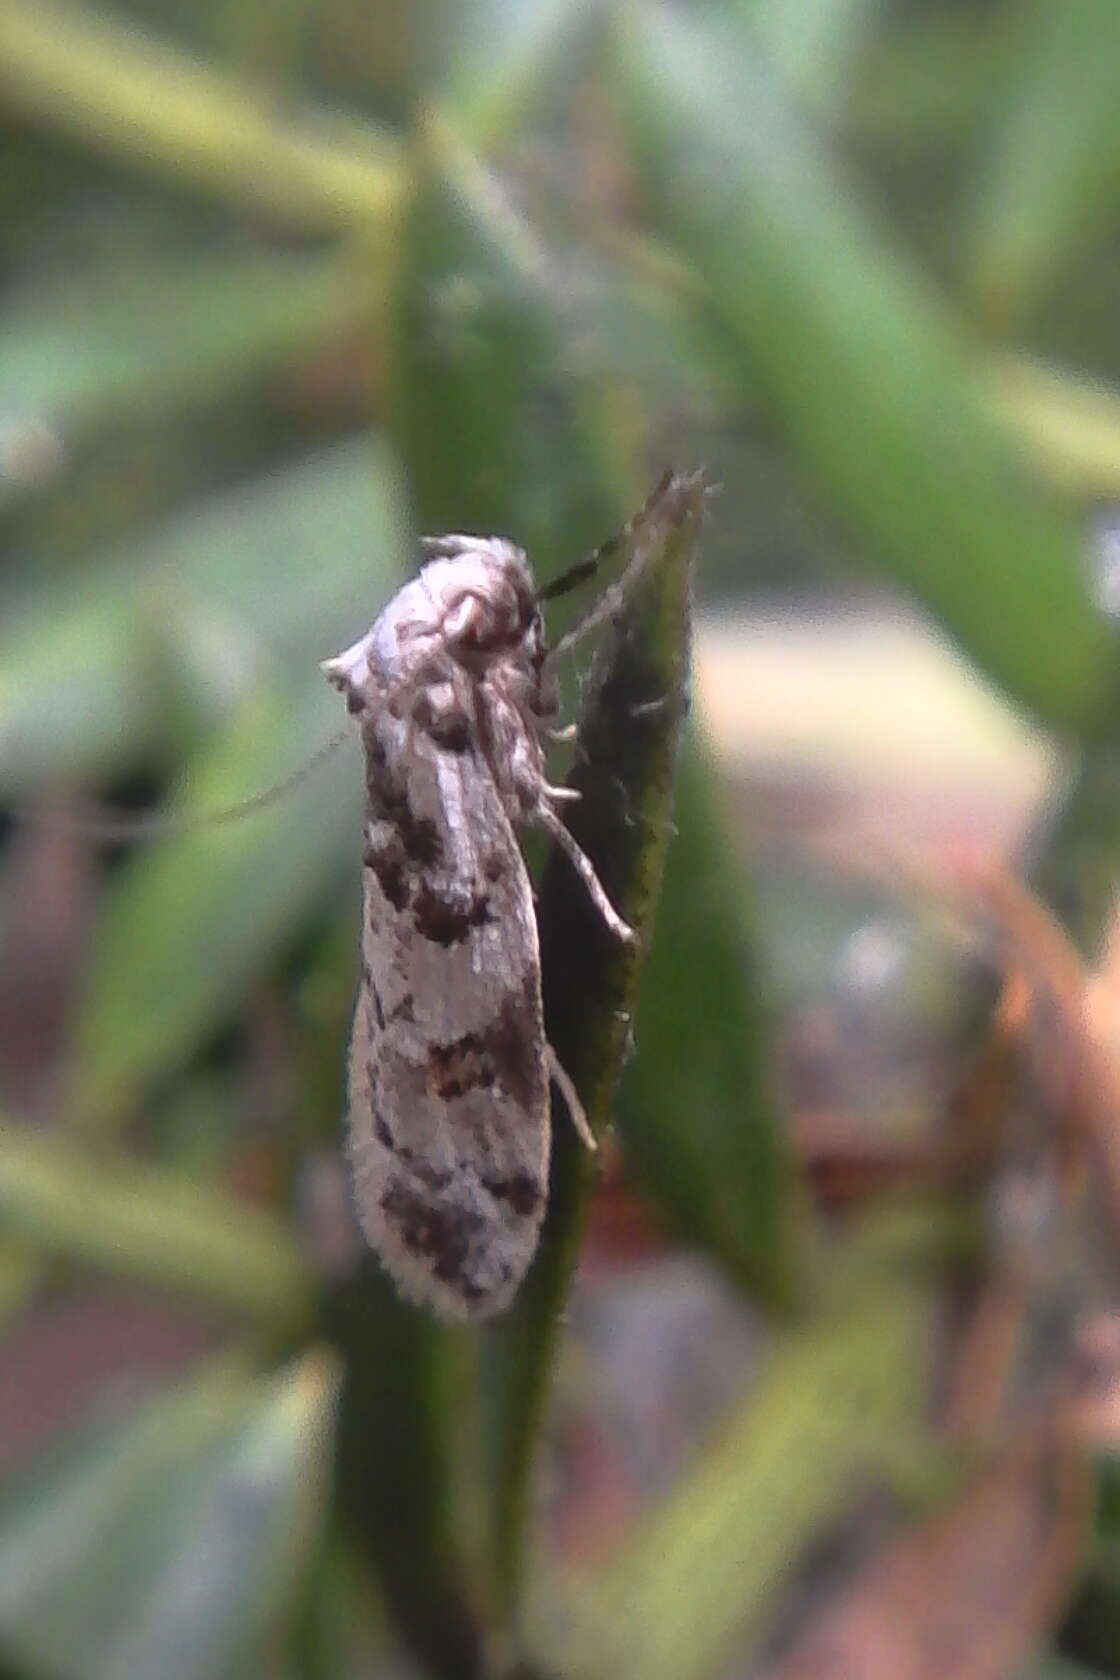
(1048, 182)
(864, 369)
(170, 1544)
(289, 566)
(137, 341)
(699, 1116)
(815, 44)
(1070, 425)
(406, 1437)
(702, 1575)
(149, 1225)
(506, 54)
(85, 75)
(496, 427)
(188, 923)
(493, 439)
(625, 770)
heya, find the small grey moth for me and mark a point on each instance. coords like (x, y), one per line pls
(449, 1069)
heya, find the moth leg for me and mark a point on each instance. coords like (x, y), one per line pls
(585, 869)
(567, 1090)
(568, 733)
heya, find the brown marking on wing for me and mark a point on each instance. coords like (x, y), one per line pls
(451, 730)
(440, 1233)
(513, 1041)
(463, 1065)
(418, 837)
(387, 864)
(522, 1192)
(494, 866)
(447, 921)
(505, 1052)
(404, 1010)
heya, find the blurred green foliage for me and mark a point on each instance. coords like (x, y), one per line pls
(282, 286)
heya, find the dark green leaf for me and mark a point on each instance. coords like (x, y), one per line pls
(406, 1430)
(497, 435)
(493, 421)
(699, 1116)
(625, 772)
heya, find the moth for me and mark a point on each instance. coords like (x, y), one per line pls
(455, 695)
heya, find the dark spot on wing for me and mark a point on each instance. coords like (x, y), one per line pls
(494, 866)
(450, 730)
(506, 1052)
(438, 1232)
(448, 921)
(381, 1130)
(418, 838)
(405, 1010)
(513, 1040)
(375, 999)
(452, 733)
(521, 1192)
(389, 869)
(355, 704)
(461, 1066)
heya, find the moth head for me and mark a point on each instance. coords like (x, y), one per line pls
(483, 591)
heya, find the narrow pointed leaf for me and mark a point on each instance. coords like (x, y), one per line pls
(494, 423)
(1048, 182)
(700, 1579)
(815, 44)
(699, 1115)
(507, 54)
(405, 1427)
(149, 1225)
(87, 74)
(133, 341)
(295, 563)
(864, 369)
(497, 434)
(477, 352)
(625, 771)
(170, 1545)
(188, 922)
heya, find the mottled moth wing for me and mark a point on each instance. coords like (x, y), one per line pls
(448, 1125)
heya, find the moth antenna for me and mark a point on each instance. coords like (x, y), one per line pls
(612, 598)
(572, 578)
(158, 825)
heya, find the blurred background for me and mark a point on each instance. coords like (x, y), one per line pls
(836, 1389)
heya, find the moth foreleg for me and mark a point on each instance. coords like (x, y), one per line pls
(567, 1090)
(585, 869)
